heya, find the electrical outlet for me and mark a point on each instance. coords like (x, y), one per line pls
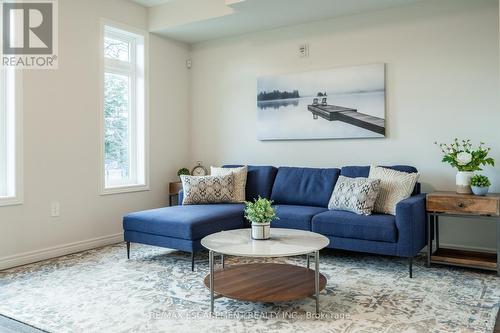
(55, 209)
(304, 50)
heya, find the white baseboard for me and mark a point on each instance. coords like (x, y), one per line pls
(57, 251)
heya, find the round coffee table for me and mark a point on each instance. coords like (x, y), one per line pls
(265, 282)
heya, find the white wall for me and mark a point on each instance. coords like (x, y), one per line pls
(61, 139)
(442, 82)
(442, 59)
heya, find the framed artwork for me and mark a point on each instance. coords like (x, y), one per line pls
(337, 103)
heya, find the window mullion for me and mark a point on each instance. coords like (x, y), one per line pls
(118, 65)
(10, 158)
(133, 114)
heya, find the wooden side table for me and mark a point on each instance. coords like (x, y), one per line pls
(451, 204)
(173, 191)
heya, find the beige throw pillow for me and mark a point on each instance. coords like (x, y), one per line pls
(207, 189)
(240, 180)
(394, 187)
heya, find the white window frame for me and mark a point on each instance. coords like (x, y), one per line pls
(11, 166)
(137, 69)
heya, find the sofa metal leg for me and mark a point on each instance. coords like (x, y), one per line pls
(128, 250)
(192, 261)
(410, 266)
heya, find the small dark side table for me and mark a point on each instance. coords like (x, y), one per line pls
(173, 191)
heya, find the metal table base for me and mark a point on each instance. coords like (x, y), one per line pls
(211, 259)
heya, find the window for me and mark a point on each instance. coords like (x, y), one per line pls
(10, 138)
(124, 115)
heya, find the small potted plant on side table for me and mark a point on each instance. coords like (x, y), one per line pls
(183, 171)
(480, 184)
(260, 213)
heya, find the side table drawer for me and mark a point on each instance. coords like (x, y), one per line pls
(463, 204)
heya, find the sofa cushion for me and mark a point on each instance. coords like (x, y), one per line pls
(207, 189)
(355, 195)
(295, 217)
(304, 186)
(364, 171)
(377, 227)
(260, 181)
(240, 180)
(186, 222)
(395, 186)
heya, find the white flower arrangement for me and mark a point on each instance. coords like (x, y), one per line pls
(461, 155)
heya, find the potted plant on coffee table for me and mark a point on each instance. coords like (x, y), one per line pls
(480, 184)
(260, 213)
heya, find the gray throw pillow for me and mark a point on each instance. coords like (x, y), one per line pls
(355, 195)
(207, 189)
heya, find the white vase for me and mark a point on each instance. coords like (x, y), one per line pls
(463, 182)
(261, 231)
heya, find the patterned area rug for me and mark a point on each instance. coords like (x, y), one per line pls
(155, 291)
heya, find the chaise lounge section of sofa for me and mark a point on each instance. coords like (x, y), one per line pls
(300, 196)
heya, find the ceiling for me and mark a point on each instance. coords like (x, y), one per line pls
(194, 21)
(151, 3)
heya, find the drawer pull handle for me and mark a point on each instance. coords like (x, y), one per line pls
(461, 205)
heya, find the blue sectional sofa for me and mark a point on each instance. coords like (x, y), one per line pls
(301, 198)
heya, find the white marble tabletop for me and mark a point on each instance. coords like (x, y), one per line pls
(283, 243)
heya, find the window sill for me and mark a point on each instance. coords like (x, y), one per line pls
(124, 189)
(13, 201)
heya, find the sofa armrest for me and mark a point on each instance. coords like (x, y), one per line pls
(181, 197)
(411, 223)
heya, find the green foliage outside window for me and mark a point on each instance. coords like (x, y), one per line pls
(116, 117)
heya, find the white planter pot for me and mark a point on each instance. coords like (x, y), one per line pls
(463, 182)
(261, 231)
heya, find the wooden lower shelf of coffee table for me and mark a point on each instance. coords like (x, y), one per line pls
(265, 282)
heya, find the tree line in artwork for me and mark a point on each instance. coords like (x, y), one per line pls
(277, 94)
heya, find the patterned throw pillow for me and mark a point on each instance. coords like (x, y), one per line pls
(394, 187)
(207, 189)
(355, 195)
(240, 180)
